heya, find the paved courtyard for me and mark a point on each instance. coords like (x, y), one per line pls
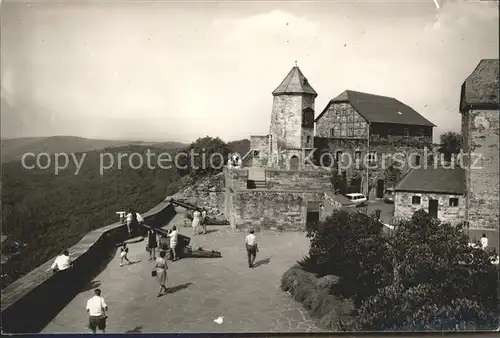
(203, 289)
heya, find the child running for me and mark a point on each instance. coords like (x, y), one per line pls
(123, 254)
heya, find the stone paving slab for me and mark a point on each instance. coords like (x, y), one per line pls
(202, 289)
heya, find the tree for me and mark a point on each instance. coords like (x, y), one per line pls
(451, 144)
(438, 281)
(392, 175)
(206, 155)
(351, 246)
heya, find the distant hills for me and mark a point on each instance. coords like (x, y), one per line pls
(43, 213)
(13, 149)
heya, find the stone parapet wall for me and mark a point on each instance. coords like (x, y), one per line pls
(283, 210)
(403, 206)
(277, 179)
(40, 294)
(236, 179)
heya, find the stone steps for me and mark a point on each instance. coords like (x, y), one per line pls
(260, 184)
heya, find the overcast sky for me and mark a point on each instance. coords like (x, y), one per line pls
(178, 71)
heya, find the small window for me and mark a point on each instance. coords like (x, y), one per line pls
(372, 156)
(338, 156)
(420, 133)
(415, 200)
(256, 153)
(332, 132)
(406, 132)
(417, 160)
(350, 131)
(453, 202)
(308, 139)
(357, 155)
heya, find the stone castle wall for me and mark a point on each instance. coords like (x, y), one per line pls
(298, 180)
(480, 129)
(403, 206)
(284, 210)
(208, 193)
(261, 145)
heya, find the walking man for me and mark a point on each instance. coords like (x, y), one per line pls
(252, 249)
(173, 242)
(96, 308)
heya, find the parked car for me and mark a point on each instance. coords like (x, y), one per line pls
(389, 195)
(357, 198)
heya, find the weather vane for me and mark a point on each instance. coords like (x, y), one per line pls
(295, 63)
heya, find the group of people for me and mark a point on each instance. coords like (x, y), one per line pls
(96, 306)
(154, 243)
(199, 220)
(132, 219)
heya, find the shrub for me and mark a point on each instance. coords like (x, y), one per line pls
(308, 264)
(328, 281)
(303, 286)
(304, 290)
(288, 278)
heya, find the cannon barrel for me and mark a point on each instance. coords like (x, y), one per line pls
(185, 205)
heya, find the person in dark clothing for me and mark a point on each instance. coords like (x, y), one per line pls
(152, 244)
(134, 224)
